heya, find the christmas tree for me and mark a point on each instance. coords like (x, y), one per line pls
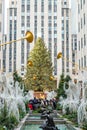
(39, 68)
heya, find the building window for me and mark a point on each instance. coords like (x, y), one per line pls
(15, 28)
(81, 42)
(42, 33)
(67, 13)
(22, 68)
(42, 6)
(22, 32)
(62, 12)
(22, 52)
(23, 1)
(28, 21)
(79, 45)
(67, 26)
(84, 61)
(62, 36)
(28, 8)
(81, 22)
(22, 8)
(81, 3)
(55, 32)
(0, 46)
(84, 18)
(79, 27)
(0, 8)
(84, 40)
(12, 2)
(79, 64)
(0, 26)
(50, 6)
(35, 6)
(10, 12)
(55, 25)
(55, 6)
(65, 3)
(22, 21)
(15, 12)
(78, 9)
(42, 21)
(35, 21)
(28, 1)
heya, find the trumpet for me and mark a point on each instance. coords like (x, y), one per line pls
(59, 55)
(28, 36)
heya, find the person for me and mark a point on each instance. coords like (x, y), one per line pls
(35, 100)
(54, 103)
(30, 105)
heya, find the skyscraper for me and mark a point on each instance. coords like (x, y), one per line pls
(1, 31)
(82, 35)
(66, 38)
(49, 19)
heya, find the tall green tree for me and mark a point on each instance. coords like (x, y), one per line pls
(17, 78)
(60, 90)
(39, 75)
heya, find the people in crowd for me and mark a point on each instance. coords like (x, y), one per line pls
(42, 103)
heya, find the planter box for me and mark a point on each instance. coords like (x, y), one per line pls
(40, 95)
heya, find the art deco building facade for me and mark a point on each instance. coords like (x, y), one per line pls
(74, 52)
(49, 19)
(82, 34)
(66, 38)
(2, 3)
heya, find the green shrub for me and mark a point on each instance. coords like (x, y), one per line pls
(72, 117)
(59, 107)
(84, 125)
(12, 122)
(7, 121)
(21, 112)
(26, 106)
(1, 127)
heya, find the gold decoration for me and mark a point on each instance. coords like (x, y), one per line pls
(51, 78)
(34, 77)
(59, 55)
(30, 63)
(29, 36)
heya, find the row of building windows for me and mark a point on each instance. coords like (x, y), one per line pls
(13, 10)
(82, 43)
(35, 22)
(82, 62)
(81, 23)
(80, 5)
(10, 46)
(36, 8)
(65, 12)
